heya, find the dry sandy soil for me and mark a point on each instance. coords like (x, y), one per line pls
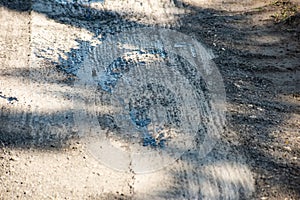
(256, 47)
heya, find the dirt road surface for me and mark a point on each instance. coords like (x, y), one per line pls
(126, 99)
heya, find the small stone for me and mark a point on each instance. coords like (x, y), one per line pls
(14, 158)
(287, 148)
(260, 109)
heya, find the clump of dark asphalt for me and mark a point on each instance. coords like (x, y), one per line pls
(10, 100)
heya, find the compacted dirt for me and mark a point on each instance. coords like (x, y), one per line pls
(255, 46)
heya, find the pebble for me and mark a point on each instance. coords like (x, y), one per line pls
(287, 148)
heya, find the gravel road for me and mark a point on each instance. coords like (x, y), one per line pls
(182, 99)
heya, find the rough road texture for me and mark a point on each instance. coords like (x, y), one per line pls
(43, 43)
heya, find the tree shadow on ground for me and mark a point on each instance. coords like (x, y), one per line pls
(248, 67)
(247, 85)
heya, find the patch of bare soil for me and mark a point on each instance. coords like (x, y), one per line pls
(259, 57)
(257, 48)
